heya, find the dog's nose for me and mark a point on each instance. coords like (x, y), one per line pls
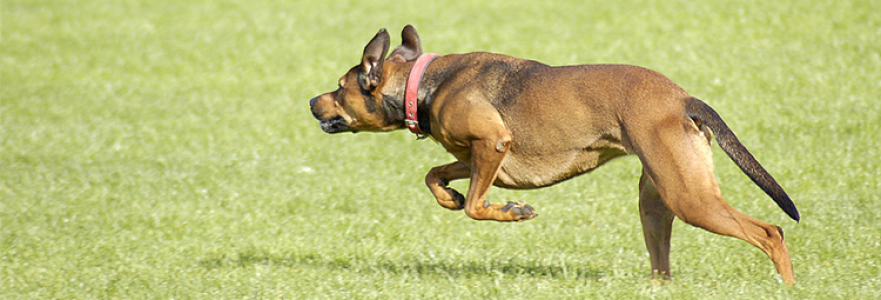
(312, 108)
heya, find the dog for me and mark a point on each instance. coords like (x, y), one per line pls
(521, 124)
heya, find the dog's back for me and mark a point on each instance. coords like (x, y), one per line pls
(565, 131)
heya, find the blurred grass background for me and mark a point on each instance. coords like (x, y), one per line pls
(164, 149)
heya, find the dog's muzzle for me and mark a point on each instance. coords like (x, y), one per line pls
(335, 125)
(312, 107)
(332, 125)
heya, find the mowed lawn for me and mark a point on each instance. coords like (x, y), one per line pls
(165, 150)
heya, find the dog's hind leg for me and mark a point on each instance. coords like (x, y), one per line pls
(677, 158)
(657, 224)
(439, 177)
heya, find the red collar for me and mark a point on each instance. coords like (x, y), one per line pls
(411, 95)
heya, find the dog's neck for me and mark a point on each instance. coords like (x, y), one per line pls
(416, 99)
(411, 98)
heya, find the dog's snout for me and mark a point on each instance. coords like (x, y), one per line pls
(312, 108)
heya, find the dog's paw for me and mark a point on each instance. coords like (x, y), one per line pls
(450, 199)
(458, 198)
(521, 210)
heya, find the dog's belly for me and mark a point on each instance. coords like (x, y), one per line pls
(528, 170)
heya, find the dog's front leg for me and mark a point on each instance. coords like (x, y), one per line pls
(486, 160)
(439, 177)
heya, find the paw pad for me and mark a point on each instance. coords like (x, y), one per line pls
(520, 209)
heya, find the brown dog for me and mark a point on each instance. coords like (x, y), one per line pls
(520, 124)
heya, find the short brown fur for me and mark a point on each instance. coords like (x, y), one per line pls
(520, 124)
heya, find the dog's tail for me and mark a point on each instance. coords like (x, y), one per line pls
(697, 109)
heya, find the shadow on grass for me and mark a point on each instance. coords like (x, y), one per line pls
(410, 266)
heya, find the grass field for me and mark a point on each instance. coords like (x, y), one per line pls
(164, 150)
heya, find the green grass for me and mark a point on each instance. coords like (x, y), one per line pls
(164, 149)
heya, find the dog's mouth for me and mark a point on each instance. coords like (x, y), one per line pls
(335, 125)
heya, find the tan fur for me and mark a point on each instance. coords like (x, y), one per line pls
(520, 124)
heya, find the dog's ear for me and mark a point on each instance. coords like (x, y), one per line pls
(410, 47)
(371, 62)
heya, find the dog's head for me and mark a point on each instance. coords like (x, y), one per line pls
(370, 96)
